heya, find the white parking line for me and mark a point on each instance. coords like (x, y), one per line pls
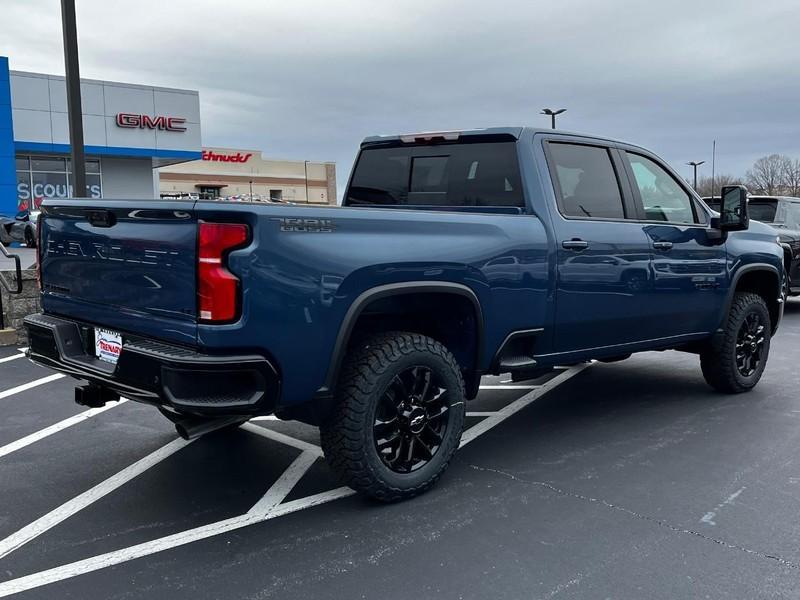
(481, 413)
(307, 502)
(12, 357)
(508, 387)
(518, 404)
(47, 431)
(281, 488)
(15, 586)
(282, 438)
(95, 563)
(32, 384)
(66, 510)
(267, 507)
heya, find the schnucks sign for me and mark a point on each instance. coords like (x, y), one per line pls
(233, 158)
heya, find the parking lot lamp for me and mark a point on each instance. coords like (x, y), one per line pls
(552, 113)
(694, 164)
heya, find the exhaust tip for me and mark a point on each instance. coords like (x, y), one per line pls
(181, 429)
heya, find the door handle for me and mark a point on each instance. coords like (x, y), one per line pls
(575, 244)
(662, 245)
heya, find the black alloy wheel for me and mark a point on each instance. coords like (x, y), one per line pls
(398, 415)
(411, 420)
(750, 344)
(734, 359)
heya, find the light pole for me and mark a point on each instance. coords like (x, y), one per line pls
(694, 164)
(251, 190)
(305, 168)
(74, 112)
(552, 114)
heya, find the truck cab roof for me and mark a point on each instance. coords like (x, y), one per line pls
(497, 133)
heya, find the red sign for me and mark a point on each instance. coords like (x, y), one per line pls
(133, 121)
(235, 158)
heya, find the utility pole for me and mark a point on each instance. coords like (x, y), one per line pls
(552, 114)
(694, 164)
(713, 169)
(305, 167)
(74, 110)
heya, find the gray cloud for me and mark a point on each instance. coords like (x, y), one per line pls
(310, 79)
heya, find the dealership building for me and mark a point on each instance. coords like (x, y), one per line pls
(129, 131)
(236, 172)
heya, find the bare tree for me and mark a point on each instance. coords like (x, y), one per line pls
(707, 187)
(791, 176)
(767, 174)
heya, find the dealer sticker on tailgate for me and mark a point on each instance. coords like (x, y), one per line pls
(107, 345)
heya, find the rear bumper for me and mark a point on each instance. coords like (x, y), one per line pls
(157, 373)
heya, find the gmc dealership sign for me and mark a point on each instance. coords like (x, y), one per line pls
(134, 121)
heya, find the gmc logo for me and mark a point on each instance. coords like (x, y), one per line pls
(133, 121)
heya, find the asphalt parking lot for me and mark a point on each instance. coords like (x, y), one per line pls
(626, 480)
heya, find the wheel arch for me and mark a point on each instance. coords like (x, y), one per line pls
(788, 257)
(382, 292)
(763, 279)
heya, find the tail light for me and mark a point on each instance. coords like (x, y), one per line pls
(218, 290)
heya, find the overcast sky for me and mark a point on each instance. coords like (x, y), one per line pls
(308, 80)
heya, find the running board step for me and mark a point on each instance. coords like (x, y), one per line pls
(517, 363)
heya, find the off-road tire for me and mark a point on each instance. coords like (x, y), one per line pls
(347, 435)
(718, 359)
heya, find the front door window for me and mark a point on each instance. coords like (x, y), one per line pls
(663, 198)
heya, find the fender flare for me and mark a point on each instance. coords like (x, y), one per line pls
(737, 275)
(384, 291)
(788, 256)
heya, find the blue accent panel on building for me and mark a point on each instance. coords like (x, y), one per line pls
(42, 147)
(8, 177)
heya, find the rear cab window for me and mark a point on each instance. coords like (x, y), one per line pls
(440, 175)
(791, 214)
(763, 210)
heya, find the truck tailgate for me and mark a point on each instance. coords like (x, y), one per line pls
(124, 265)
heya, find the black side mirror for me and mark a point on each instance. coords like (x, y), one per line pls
(733, 214)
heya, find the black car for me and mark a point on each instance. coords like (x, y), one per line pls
(782, 213)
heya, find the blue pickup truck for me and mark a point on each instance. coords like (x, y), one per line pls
(456, 254)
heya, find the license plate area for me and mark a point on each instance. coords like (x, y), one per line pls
(107, 345)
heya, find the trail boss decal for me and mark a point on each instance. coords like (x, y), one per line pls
(305, 225)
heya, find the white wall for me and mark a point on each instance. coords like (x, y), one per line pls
(128, 178)
(39, 107)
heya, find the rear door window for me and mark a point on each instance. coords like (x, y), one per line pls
(466, 174)
(586, 181)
